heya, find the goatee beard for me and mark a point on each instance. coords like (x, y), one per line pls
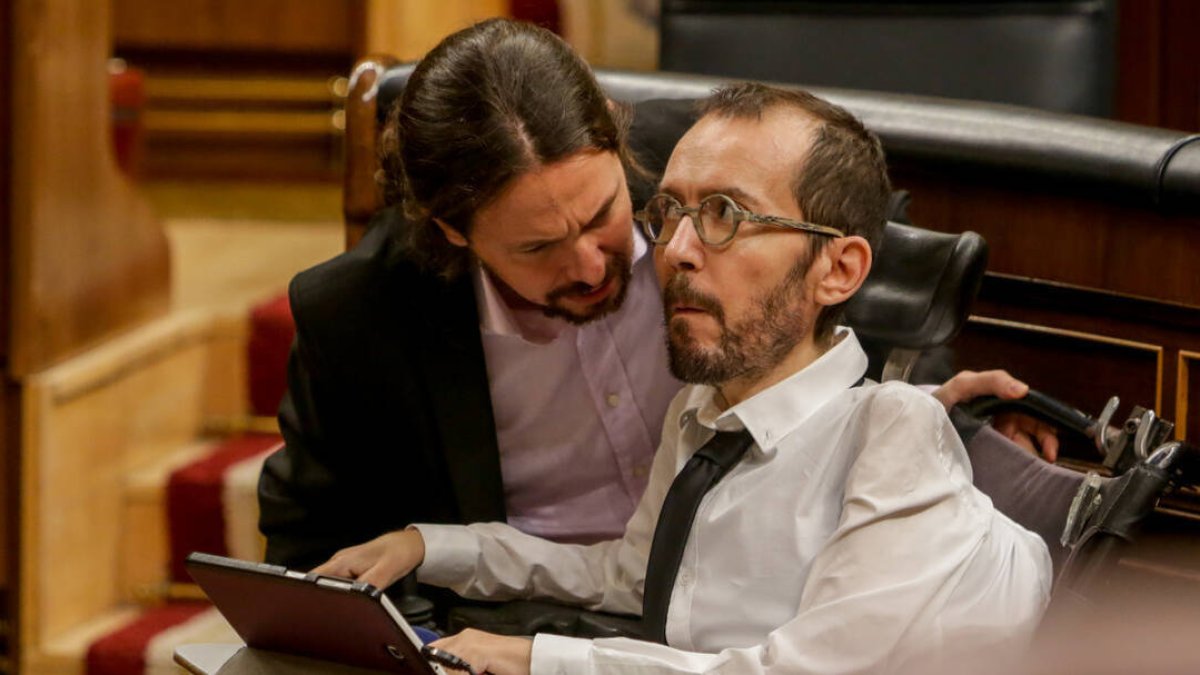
(746, 350)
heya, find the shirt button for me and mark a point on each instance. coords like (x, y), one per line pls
(613, 400)
(640, 471)
(685, 578)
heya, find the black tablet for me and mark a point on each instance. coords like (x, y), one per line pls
(330, 618)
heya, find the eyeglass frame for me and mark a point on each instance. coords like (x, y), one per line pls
(742, 215)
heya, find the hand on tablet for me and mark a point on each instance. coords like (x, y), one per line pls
(379, 562)
(489, 653)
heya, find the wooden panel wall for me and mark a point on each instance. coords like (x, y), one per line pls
(406, 30)
(1158, 65)
(9, 396)
(1087, 296)
(88, 259)
(1035, 228)
(1188, 372)
(241, 90)
(301, 26)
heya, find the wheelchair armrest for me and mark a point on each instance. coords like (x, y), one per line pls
(530, 617)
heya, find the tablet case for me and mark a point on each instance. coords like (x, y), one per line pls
(277, 609)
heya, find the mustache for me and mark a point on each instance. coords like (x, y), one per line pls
(612, 269)
(679, 291)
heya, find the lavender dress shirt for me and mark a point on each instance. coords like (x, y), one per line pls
(578, 409)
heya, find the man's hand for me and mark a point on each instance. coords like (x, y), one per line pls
(489, 653)
(379, 562)
(1023, 430)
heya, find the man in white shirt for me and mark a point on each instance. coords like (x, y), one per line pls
(848, 537)
(411, 392)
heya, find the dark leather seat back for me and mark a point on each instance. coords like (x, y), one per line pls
(920, 288)
(1051, 54)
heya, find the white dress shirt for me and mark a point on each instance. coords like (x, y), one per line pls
(848, 539)
(578, 409)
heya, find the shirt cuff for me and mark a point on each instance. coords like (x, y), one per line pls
(451, 554)
(557, 655)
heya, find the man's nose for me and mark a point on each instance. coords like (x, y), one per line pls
(590, 262)
(684, 250)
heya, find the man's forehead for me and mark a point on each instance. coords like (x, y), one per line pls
(746, 154)
(543, 200)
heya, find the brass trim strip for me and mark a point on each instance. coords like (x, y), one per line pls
(319, 89)
(319, 123)
(1087, 337)
(1181, 392)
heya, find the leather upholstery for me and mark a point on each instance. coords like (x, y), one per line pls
(1147, 167)
(920, 289)
(1051, 54)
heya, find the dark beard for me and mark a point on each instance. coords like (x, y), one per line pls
(747, 350)
(620, 267)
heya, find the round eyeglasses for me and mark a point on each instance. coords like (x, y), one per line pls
(716, 219)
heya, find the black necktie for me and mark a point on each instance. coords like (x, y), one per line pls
(704, 470)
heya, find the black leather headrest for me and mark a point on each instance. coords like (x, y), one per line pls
(1049, 54)
(920, 288)
(1156, 168)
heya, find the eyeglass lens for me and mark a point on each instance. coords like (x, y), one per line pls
(715, 220)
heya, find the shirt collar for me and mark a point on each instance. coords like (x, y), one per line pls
(497, 318)
(775, 412)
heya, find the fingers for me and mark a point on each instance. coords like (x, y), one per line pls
(1032, 434)
(339, 565)
(1009, 428)
(488, 653)
(384, 573)
(1047, 439)
(969, 384)
(379, 562)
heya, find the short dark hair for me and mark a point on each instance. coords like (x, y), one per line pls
(842, 182)
(486, 105)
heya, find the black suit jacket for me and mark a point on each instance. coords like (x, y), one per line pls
(387, 419)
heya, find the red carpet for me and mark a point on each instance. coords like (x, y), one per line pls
(271, 332)
(195, 517)
(123, 652)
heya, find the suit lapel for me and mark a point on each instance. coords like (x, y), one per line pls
(456, 374)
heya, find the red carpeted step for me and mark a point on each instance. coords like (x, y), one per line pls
(196, 515)
(271, 333)
(123, 651)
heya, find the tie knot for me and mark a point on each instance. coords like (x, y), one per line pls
(726, 447)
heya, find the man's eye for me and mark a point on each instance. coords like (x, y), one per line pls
(535, 248)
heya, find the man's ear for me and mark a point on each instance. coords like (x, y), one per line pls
(849, 262)
(452, 235)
